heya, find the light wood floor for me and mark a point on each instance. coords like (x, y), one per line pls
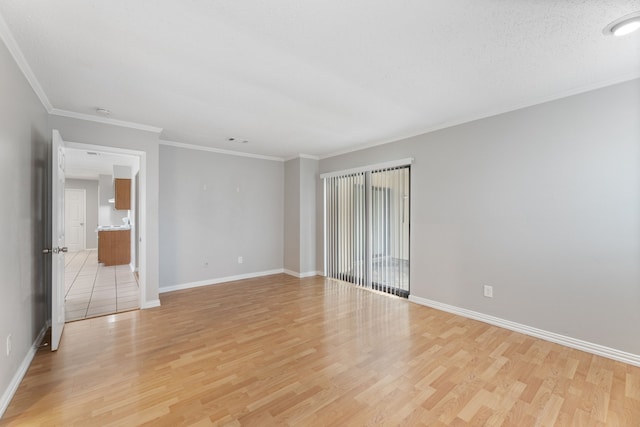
(285, 351)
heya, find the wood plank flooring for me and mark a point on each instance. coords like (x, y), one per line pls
(306, 352)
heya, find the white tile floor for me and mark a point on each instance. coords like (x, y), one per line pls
(95, 290)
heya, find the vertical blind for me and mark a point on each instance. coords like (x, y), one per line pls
(367, 228)
(346, 228)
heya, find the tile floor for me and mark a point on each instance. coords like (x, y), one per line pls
(95, 290)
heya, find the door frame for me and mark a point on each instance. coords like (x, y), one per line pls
(84, 208)
(142, 225)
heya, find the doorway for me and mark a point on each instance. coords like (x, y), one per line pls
(101, 275)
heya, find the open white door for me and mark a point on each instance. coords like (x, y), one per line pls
(57, 240)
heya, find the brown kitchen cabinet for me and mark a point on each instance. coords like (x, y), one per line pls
(122, 189)
(114, 247)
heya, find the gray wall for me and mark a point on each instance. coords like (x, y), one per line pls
(308, 178)
(214, 208)
(541, 203)
(300, 180)
(25, 144)
(82, 131)
(292, 215)
(91, 201)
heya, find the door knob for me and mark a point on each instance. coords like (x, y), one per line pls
(60, 249)
(46, 251)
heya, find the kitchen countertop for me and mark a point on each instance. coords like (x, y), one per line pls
(113, 227)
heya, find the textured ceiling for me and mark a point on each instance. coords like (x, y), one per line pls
(317, 77)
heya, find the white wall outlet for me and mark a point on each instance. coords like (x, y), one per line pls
(488, 291)
(9, 344)
(240, 260)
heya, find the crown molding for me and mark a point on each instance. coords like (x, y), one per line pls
(23, 65)
(494, 112)
(219, 150)
(18, 56)
(302, 156)
(107, 121)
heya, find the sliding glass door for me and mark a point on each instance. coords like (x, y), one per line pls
(367, 228)
(390, 230)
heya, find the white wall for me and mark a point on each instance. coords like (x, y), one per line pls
(541, 203)
(25, 144)
(86, 132)
(215, 208)
(91, 201)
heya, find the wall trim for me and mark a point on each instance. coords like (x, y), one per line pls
(219, 150)
(23, 65)
(218, 280)
(20, 373)
(300, 275)
(150, 304)
(589, 347)
(483, 114)
(302, 156)
(105, 120)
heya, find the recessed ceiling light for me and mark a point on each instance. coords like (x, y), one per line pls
(623, 26)
(103, 111)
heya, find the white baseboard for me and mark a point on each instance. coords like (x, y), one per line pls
(300, 275)
(20, 373)
(589, 347)
(150, 304)
(218, 280)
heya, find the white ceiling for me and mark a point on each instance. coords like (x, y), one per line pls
(81, 165)
(315, 77)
